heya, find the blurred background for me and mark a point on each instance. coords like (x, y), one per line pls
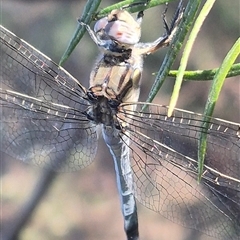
(85, 204)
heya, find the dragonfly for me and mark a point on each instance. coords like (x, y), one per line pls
(50, 119)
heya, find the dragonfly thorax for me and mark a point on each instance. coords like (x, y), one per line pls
(102, 110)
(117, 56)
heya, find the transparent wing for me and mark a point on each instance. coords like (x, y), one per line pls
(41, 118)
(164, 162)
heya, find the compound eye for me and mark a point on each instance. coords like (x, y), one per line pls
(100, 24)
(122, 32)
(119, 25)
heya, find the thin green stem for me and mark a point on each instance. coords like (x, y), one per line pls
(186, 53)
(188, 18)
(87, 16)
(206, 75)
(136, 6)
(214, 92)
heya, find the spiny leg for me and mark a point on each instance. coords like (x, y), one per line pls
(148, 48)
(177, 17)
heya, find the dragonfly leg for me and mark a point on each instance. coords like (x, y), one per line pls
(148, 48)
(93, 35)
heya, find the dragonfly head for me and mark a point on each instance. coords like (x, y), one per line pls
(120, 26)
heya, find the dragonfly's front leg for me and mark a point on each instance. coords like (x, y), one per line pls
(99, 42)
(119, 149)
(148, 48)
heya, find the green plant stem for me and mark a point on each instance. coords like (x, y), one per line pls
(139, 6)
(214, 92)
(186, 53)
(206, 75)
(87, 16)
(188, 18)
